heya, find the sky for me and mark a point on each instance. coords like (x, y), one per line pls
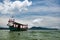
(43, 13)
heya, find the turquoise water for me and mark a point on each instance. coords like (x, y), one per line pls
(30, 35)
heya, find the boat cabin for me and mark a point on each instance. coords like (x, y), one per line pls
(14, 24)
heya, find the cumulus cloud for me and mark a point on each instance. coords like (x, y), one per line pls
(8, 7)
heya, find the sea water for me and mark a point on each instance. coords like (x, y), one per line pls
(30, 35)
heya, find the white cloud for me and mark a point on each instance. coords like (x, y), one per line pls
(8, 7)
(37, 20)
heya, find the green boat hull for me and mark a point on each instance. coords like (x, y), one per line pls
(17, 29)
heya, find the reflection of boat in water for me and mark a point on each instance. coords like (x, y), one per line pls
(14, 26)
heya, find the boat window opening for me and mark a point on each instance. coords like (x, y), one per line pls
(21, 26)
(16, 25)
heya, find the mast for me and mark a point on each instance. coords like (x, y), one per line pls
(11, 21)
(12, 18)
